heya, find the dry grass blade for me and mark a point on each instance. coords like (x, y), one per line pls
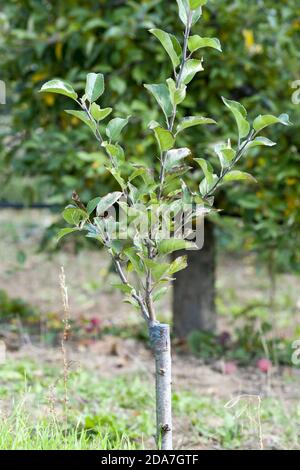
(250, 407)
(65, 337)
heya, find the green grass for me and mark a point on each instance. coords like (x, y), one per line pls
(118, 413)
(101, 414)
(20, 432)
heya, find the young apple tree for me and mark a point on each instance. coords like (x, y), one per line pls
(159, 209)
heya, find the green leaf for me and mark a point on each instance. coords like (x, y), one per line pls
(116, 245)
(159, 293)
(205, 187)
(191, 67)
(162, 96)
(82, 116)
(167, 43)
(177, 95)
(115, 151)
(65, 231)
(177, 265)
(61, 87)
(194, 4)
(158, 269)
(125, 288)
(164, 138)
(134, 259)
(94, 87)
(267, 120)
(115, 127)
(210, 178)
(174, 157)
(21, 256)
(92, 205)
(115, 173)
(197, 42)
(130, 300)
(191, 121)
(137, 172)
(166, 247)
(206, 168)
(240, 115)
(237, 175)
(186, 193)
(261, 141)
(176, 45)
(98, 113)
(107, 201)
(183, 7)
(225, 153)
(74, 215)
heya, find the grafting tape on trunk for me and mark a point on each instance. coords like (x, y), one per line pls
(159, 337)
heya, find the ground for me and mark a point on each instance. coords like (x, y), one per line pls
(103, 396)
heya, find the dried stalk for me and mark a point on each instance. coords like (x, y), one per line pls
(64, 339)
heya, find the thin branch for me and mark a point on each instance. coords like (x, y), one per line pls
(149, 288)
(100, 139)
(87, 111)
(170, 123)
(97, 133)
(118, 266)
(239, 155)
(178, 79)
(134, 295)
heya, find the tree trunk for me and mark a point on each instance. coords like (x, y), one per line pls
(194, 289)
(161, 347)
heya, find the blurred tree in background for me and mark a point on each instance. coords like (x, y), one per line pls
(260, 61)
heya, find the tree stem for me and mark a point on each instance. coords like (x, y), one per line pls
(178, 83)
(134, 295)
(161, 346)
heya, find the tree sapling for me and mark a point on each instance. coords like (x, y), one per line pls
(161, 210)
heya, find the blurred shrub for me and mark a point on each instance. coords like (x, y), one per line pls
(205, 345)
(12, 307)
(249, 343)
(260, 62)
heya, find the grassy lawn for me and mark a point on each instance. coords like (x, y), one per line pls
(108, 401)
(118, 413)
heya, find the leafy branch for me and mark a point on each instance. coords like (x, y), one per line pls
(178, 78)
(145, 254)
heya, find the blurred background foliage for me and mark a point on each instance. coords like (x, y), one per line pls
(45, 153)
